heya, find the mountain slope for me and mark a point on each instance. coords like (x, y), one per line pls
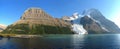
(36, 21)
(93, 22)
(91, 26)
(107, 24)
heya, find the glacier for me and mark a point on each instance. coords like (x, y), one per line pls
(78, 29)
(76, 26)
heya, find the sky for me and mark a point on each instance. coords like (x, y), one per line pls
(12, 10)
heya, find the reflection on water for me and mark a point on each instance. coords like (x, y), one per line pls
(3, 41)
(93, 41)
(78, 41)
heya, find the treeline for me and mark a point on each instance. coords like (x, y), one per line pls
(36, 29)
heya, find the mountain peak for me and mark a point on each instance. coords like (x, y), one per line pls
(88, 11)
(34, 13)
(33, 9)
(38, 16)
(104, 22)
(92, 11)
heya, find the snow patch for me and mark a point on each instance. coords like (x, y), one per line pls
(93, 19)
(105, 29)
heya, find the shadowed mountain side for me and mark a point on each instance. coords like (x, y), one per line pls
(91, 26)
(104, 22)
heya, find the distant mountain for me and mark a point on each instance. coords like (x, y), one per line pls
(36, 21)
(106, 24)
(93, 22)
(2, 27)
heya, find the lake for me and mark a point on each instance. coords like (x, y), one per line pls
(91, 41)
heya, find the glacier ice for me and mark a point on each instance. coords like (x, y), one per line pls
(76, 26)
(78, 29)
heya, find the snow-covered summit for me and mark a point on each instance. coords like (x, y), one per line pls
(92, 21)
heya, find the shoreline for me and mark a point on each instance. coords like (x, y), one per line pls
(26, 36)
(19, 36)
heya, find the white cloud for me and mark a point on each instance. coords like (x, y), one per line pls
(115, 15)
(2, 25)
(116, 20)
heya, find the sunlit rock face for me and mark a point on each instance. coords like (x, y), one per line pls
(36, 21)
(38, 16)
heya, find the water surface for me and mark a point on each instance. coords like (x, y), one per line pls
(91, 41)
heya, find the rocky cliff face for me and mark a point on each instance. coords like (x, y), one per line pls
(36, 21)
(38, 16)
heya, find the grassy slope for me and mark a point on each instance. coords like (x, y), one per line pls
(36, 29)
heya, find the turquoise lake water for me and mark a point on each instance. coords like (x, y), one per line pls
(91, 41)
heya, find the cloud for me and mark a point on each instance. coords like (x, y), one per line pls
(117, 20)
(3, 26)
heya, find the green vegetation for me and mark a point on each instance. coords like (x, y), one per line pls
(7, 35)
(36, 29)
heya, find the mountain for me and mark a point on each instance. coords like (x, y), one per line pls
(38, 16)
(91, 26)
(36, 21)
(91, 22)
(2, 27)
(106, 24)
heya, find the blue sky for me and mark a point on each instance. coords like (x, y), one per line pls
(12, 10)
